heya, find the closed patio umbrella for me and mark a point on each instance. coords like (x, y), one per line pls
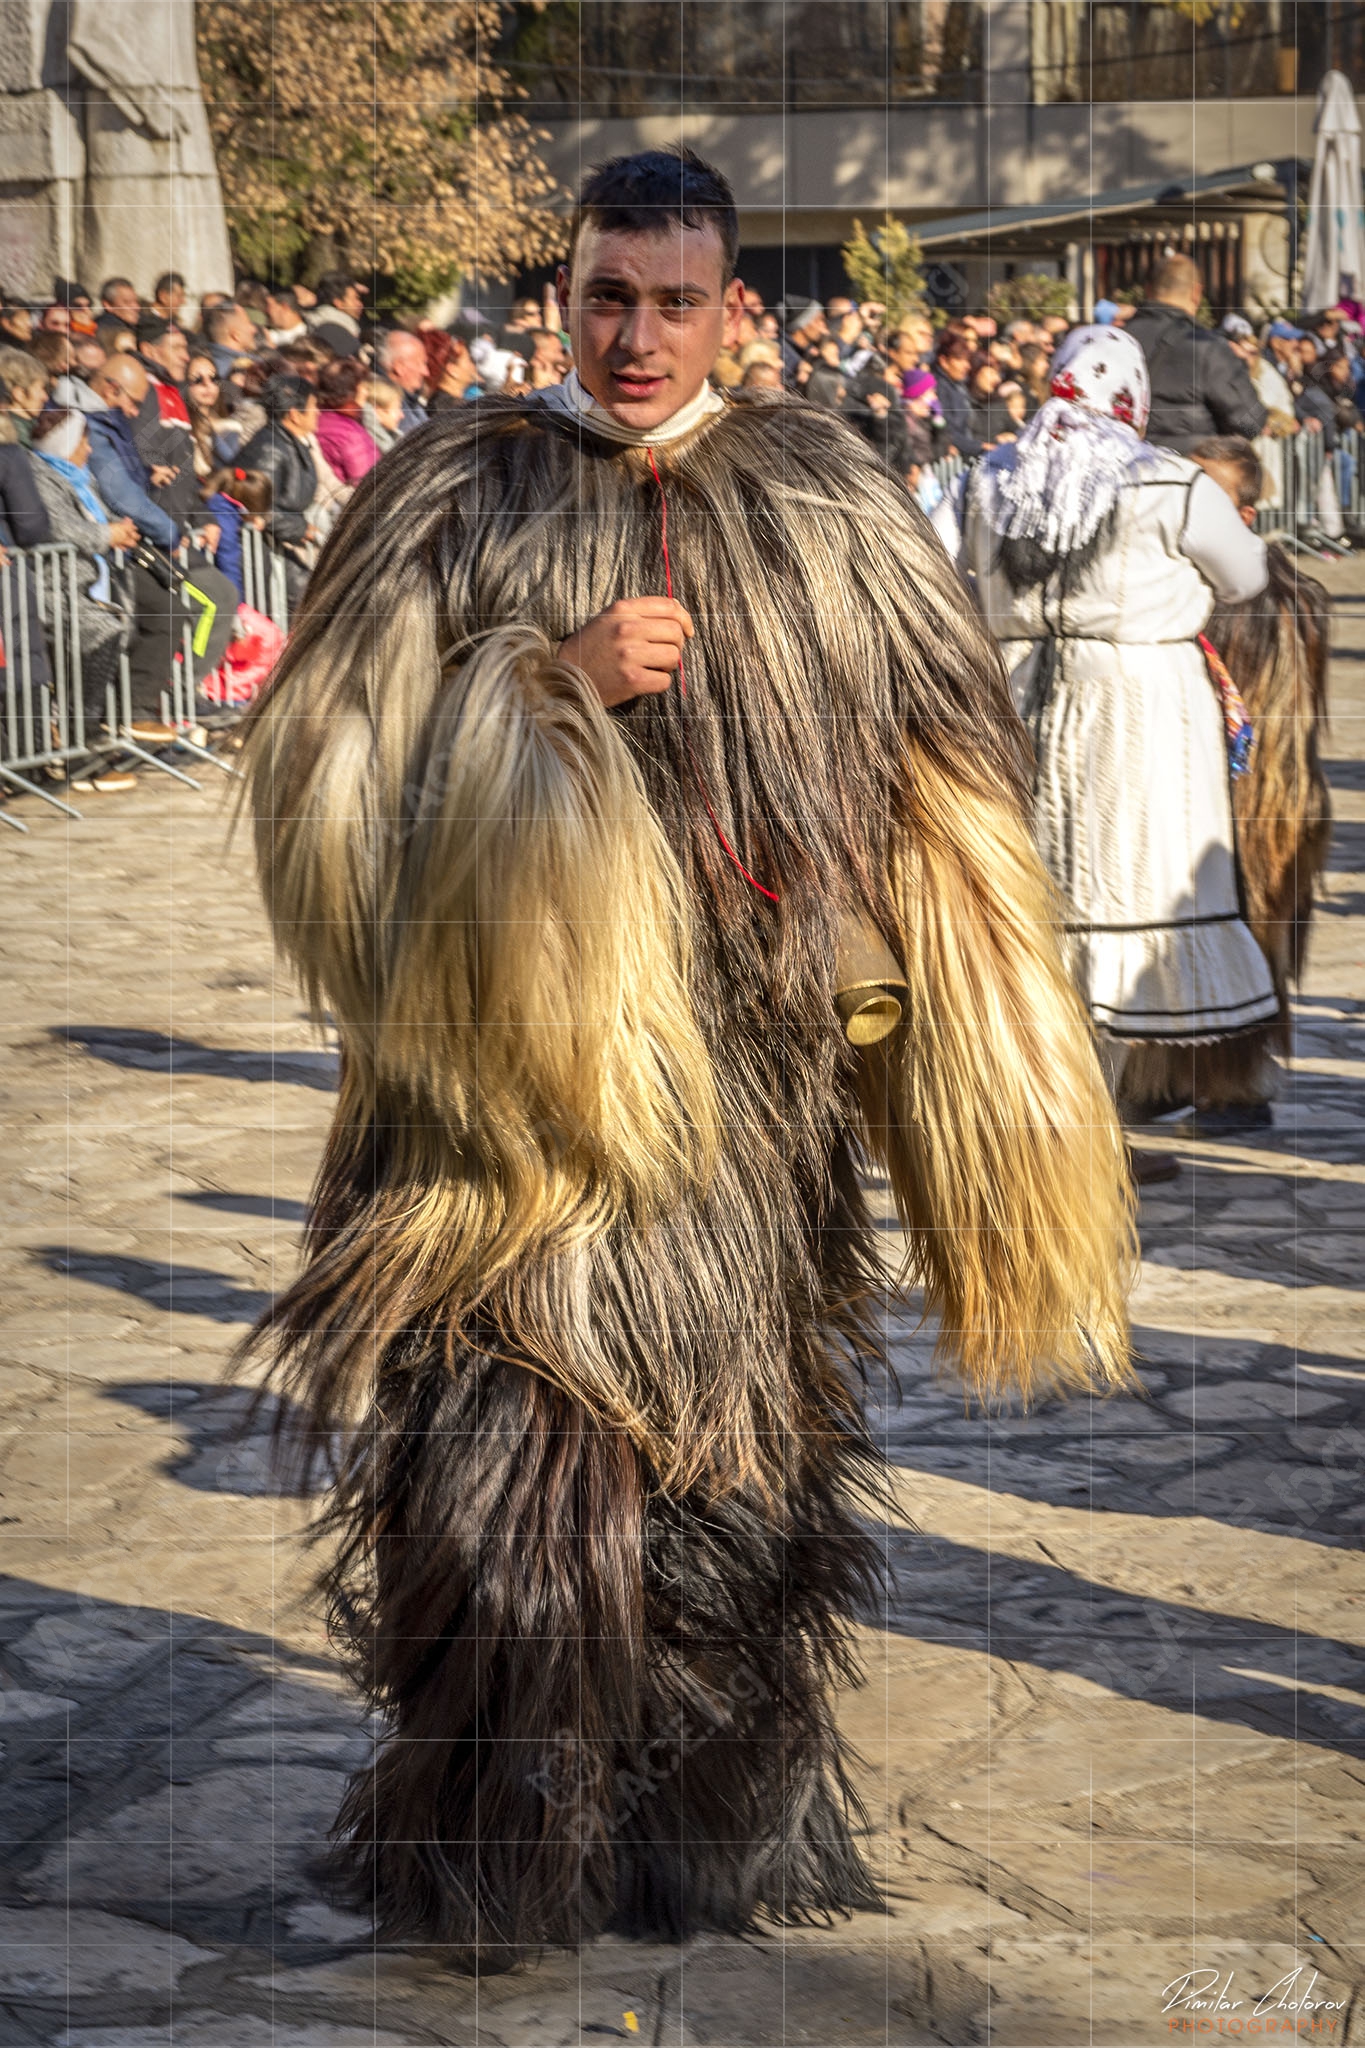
(1334, 245)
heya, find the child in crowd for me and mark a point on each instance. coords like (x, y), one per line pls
(381, 413)
(236, 498)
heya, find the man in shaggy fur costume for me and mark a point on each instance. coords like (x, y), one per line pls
(617, 724)
(1276, 649)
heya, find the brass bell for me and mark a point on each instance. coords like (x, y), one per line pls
(870, 988)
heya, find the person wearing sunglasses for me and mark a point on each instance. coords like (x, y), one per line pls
(216, 432)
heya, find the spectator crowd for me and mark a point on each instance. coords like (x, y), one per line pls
(155, 437)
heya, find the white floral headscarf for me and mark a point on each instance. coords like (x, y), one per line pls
(1082, 446)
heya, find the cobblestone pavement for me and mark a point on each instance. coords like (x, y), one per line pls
(1113, 1727)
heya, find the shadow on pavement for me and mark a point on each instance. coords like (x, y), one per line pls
(190, 1290)
(226, 1431)
(154, 1052)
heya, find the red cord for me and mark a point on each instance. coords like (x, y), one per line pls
(771, 894)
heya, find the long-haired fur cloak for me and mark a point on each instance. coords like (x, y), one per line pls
(590, 1273)
(1276, 648)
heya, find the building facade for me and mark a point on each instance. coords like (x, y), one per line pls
(1080, 137)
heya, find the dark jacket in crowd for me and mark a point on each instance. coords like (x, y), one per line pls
(990, 418)
(886, 431)
(166, 441)
(955, 399)
(24, 524)
(122, 479)
(1199, 387)
(23, 517)
(339, 333)
(1311, 403)
(293, 480)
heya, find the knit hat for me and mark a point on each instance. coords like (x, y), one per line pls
(918, 384)
(797, 322)
(1106, 312)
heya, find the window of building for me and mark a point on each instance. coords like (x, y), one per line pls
(631, 57)
(1183, 49)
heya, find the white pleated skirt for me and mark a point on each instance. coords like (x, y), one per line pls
(1133, 815)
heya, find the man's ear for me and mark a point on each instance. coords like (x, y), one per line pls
(1248, 515)
(733, 304)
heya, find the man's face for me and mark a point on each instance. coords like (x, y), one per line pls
(241, 335)
(303, 422)
(171, 354)
(29, 399)
(170, 299)
(56, 320)
(406, 363)
(956, 363)
(351, 302)
(124, 301)
(17, 322)
(279, 314)
(123, 385)
(647, 315)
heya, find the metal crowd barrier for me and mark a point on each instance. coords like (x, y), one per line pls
(263, 578)
(1316, 494)
(42, 723)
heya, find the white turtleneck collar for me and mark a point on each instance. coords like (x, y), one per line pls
(575, 403)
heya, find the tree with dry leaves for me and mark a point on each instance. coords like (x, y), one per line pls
(376, 135)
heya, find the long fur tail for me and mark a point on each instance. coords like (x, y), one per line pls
(990, 1112)
(466, 871)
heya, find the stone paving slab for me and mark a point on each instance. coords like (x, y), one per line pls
(1113, 1726)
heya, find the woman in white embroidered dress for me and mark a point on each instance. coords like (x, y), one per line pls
(1098, 559)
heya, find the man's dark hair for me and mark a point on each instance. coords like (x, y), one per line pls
(642, 193)
(111, 284)
(286, 394)
(167, 280)
(1240, 457)
(283, 295)
(215, 321)
(332, 286)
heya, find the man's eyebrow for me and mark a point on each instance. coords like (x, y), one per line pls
(626, 284)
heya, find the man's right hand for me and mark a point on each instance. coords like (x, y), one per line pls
(123, 533)
(163, 473)
(631, 649)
